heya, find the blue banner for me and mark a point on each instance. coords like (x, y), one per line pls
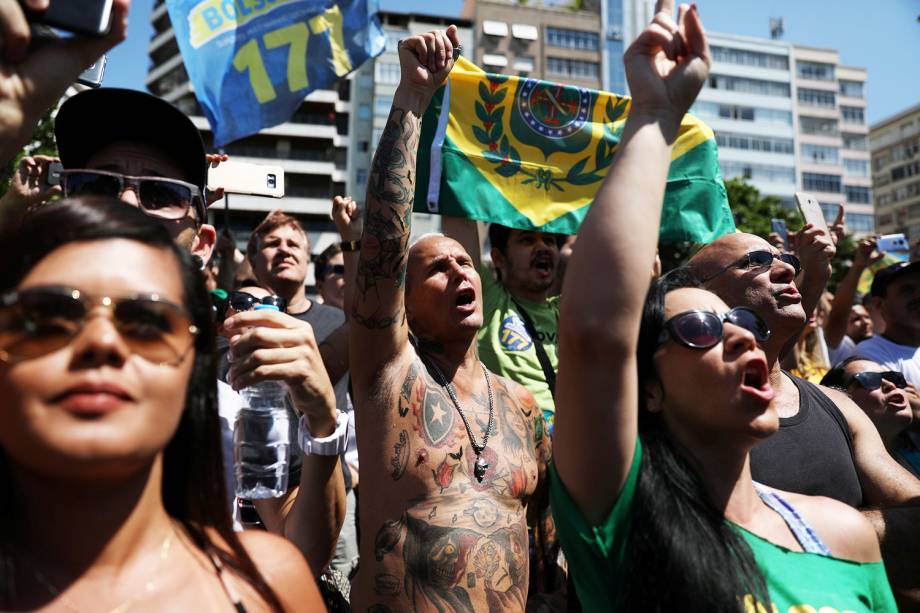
(253, 61)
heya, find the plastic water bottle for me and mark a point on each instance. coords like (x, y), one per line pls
(261, 440)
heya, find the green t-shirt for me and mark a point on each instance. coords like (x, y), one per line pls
(506, 348)
(798, 582)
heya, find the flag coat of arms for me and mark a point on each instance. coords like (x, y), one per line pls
(531, 154)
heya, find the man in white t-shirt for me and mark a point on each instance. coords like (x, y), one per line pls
(896, 294)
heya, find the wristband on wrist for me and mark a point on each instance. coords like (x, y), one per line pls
(350, 245)
(331, 445)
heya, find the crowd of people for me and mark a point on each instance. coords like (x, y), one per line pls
(565, 428)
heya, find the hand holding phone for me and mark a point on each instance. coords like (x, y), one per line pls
(811, 211)
(86, 17)
(779, 226)
(244, 178)
(892, 242)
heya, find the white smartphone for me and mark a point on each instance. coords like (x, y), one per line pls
(811, 211)
(245, 178)
(892, 242)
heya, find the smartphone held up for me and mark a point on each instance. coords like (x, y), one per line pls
(83, 17)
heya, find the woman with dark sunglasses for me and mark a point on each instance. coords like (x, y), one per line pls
(887, 400)
(660, 397)
(110, 460)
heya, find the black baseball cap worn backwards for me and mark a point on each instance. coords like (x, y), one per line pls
(885, 276)
(94, 119)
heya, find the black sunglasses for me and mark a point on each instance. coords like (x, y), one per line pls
(704, 329)
(333, 269)
(41, 320)
(244, 301)
(873, 380)
(158, 196)
(760, 259)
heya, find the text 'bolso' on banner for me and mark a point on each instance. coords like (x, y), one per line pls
(251, 62)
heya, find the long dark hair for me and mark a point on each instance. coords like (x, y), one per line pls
(194, 490)
(684, 554)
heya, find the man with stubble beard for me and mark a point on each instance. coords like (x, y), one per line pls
(450, 453)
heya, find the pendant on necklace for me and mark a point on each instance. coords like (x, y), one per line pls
(479, 470)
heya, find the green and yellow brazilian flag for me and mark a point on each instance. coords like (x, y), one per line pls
(531, 154)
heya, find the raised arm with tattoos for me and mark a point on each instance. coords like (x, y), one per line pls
(449, 452)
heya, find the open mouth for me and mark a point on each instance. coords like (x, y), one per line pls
(543, 264)
(755, 379)
(465, 297)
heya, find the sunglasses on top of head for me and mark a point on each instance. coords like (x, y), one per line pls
(40, 320)
(758, 260)
(159, 197)
(704, 329)
(871, 381)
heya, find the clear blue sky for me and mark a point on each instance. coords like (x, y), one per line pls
(882, 36)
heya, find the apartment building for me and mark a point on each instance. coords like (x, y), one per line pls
(895, 150)
(312, 147)
(622, 21)
(791, 118)
(552, 41)
(749, 104)
(832, 150)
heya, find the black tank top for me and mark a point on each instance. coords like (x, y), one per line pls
(812, 453)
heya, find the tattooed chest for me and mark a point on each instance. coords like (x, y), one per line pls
(432, 445)
(479, 564)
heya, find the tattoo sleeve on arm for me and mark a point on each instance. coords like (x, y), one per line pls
(381, 275)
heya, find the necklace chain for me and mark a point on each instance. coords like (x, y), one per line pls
(447, 385)
(124, 606)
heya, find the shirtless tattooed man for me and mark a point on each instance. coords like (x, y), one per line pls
(450, 453)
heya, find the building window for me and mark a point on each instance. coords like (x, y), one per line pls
(571, 39)
(860, 222)
(495, 28)
(387, 73)
(816, 71)
(858, 168)
(749, 86)
(817, 97)
(361, 178)
(815, 182)
(859, 194)
(818, 125)
(757, 172)
(382, 105)
(743, 57)
(523, 31)
(714, 110)
(364, 111)
(820, 154)
(905, 171)
(830, 212)
(851, 89)
(494, 59)
(853, 114)
(375, 138)
(523, 63)
(565, 67)
(747, 142)
(857, 142)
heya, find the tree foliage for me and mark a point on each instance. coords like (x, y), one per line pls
(753, 214)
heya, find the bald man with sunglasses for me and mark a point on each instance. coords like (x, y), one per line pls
(825, 445)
